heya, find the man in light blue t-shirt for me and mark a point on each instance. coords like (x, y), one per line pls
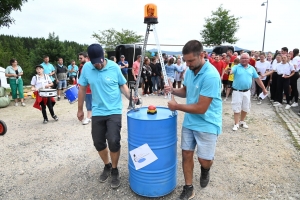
(50, 70)
(203, 114)
(72, 69)
(107, 84)
(243, 75)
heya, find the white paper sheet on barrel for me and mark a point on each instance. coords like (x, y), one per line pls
(142, 156)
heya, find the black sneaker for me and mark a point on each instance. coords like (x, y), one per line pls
(65, 98)
(45, 121)
(55, 117)
(105, 174)
(115, 178)
(204, 178)
(58, 98)
(187, 193)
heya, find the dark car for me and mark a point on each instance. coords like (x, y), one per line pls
(222, 49)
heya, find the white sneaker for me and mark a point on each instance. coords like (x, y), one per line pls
(145, 95)
(271, 100)
(235, 127)
(294, 104)
(225, 99)
(23, 104)
(258, 103)
(254, 98)
(86, 121)
(243, 124)
(166, 97)
(277, 105)
(287, 107)
(16, 104)
(284, 101)
(276, 102)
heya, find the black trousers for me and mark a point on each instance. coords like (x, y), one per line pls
(273, 86)
(148, 85)
(283, 85)
(50, 107)
(258, 88)
(293, 83)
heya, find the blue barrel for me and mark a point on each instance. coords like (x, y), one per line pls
(159, 131)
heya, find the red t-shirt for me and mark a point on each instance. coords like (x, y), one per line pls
(225, 76)
(218, 65)
(252, 62)
(232, 58)
(88, 89)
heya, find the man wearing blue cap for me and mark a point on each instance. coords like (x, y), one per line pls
(107, 83)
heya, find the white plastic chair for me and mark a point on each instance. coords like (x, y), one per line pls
(3, 79)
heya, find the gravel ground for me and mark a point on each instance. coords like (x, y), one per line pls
(58, 160)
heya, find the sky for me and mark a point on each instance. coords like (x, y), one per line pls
(179, 21)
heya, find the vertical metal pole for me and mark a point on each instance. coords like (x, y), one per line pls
(265, 26)
(136, 88)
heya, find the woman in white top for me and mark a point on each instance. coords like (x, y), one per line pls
(285, 71)
(262, 66)
(274, 77)
(293, 80)
(178, 75)
(296, 63)
(42, 81)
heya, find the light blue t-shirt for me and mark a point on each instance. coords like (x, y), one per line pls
(243, 77)
(105, 85)
(206, 83)
(170, 70)
(74, 73)
(48, 68)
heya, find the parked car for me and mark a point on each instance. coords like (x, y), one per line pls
(222, 49)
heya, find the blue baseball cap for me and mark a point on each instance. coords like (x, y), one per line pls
(96, 53)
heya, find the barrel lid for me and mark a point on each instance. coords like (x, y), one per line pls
(141, 114)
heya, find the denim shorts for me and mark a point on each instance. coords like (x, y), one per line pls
(206, 143)
(88, 102)
(62, 84)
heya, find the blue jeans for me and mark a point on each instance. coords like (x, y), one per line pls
(155, 83)
(88, 102)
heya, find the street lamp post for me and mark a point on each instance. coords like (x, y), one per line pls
(265, 22)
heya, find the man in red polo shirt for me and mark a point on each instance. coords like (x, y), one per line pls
(230, 54)
(219, 64)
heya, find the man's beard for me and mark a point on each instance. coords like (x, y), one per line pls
(196, 68)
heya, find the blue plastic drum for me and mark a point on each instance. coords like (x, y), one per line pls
(72, 94)
(159, 131)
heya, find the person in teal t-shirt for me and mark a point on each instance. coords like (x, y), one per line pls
(50, 70)
(72, 69)
(107, 84)
(203, 114)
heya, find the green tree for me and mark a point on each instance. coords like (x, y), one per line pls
(6, 7)
(220, 28)
(111, 38)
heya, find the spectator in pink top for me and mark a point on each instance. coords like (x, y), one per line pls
(136, 67)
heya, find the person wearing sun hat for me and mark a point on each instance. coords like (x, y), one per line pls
(107, 83)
